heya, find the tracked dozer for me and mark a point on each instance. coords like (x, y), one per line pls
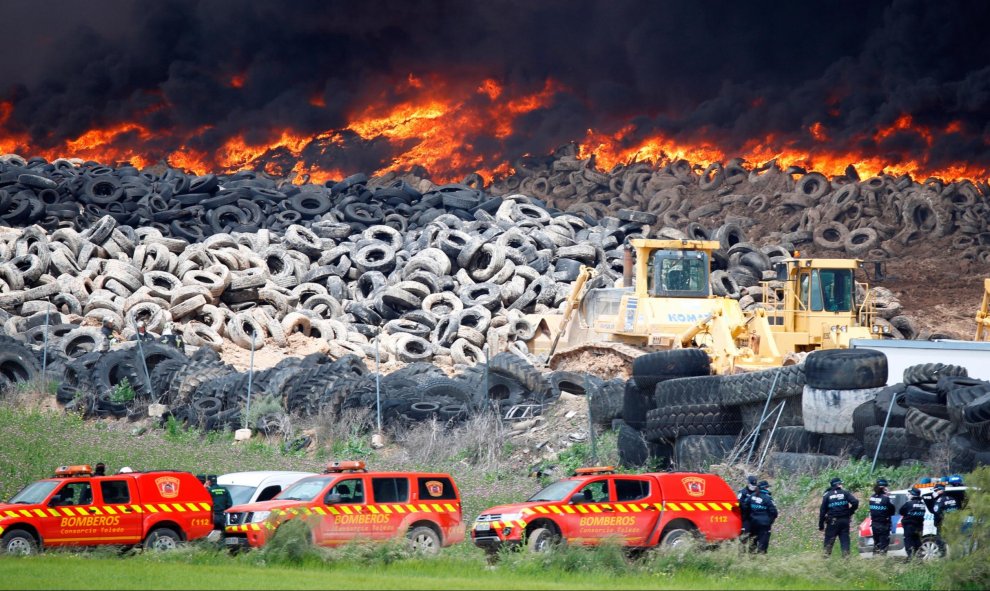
(665, 301)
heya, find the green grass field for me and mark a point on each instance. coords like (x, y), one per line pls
(32, 443)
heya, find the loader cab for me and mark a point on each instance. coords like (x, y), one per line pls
(673, 268)
(678, 273)
(828, 290)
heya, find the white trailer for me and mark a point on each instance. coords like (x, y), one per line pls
(901, 354)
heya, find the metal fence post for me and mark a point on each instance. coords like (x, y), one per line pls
(378, 385)
(766, 405)
(247, 409)
(883, 432)
(591, 420)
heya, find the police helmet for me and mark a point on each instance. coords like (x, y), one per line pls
(764, 484)
(751, 480)
(940, 486)
(882, 482)
(914, 492)
(835, 482)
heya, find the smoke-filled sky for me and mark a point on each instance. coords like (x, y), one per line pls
(200, 72)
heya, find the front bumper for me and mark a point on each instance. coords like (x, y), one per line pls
(494, 538)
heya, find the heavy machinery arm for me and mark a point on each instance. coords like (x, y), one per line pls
(983, 314)
(572, 301)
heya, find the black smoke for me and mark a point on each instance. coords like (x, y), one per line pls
(726, 72)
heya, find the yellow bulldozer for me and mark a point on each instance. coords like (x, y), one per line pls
(665, 301)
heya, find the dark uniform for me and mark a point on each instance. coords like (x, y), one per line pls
(742, 495)
(943, 504)
(760, 512)
(881, 514)
(221, 501)
(913, 521)
(833, 516)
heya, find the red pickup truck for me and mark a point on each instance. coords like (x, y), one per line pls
(637, 510)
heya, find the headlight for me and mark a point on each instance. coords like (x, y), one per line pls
(259, 516)
(511, 516)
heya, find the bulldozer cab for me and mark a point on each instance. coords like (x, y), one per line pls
(673, 268)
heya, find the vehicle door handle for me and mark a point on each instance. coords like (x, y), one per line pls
(93, 510)
(124, 510)
(607, 509)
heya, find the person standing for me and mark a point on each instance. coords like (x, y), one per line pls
(838, 506)
(913, 521)
(882, 511)
(761, 513)
(743, 495)
(943, 504)
(101, 469)
(221, 500)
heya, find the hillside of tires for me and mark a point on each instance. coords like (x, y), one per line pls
(401, 290)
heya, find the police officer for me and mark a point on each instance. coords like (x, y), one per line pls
(221, 500)
(913, 521)
(837, 507)
(760, 512)
(881, 513)
(743, 496)
(943, 504)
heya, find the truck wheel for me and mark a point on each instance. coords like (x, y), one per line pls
(929, 549)
(541, 539)
(678, 538)
(162, 539)
(18, 542)
(424, 540)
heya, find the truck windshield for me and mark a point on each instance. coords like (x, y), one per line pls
(558, 491)
(240, 493)
(34, 493)
(306, 489)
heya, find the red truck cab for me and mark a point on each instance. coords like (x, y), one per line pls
(157, 509)
(349, 503)
(637, 510)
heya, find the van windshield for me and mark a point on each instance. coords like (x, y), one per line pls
(306, 489)
(34, 493)
(240, 493)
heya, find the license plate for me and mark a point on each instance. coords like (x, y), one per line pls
(232, 541)
(483, 526)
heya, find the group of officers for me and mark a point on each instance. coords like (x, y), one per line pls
(838, 507)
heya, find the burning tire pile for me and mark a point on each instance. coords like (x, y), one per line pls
(413, 272)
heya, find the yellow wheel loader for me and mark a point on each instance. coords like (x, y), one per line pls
(665, 301)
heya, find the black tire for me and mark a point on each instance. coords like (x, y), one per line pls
(514, 366)
(977, 410)
(696, 419)
(846, 369)
(957, 399)
(571, 382)
(437, 387)
(17, 363)
(652, 368)
(693, 390)
(605, 402)
(541, 539)
(635, 405)
(897, 412)
(927, 427)
(898, 444)
(845, 446)
(112, 369)
(679, 537)
(790, 417)
(18, 542)
(424, 540)
(633, 449)
(696, 452)
(162, 539)
(795, 440)
(754, 386)
(781, 463)
(865, 415)
(929, 373)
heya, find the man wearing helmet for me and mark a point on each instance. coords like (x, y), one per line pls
(743, 496)
(837, 507)
(881, 513)
(913, 521)
(940, 504)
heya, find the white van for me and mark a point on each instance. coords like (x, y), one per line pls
(259, 485)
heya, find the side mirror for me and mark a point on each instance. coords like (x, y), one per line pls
(577, 498)
(333, 499)
(781, 269)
